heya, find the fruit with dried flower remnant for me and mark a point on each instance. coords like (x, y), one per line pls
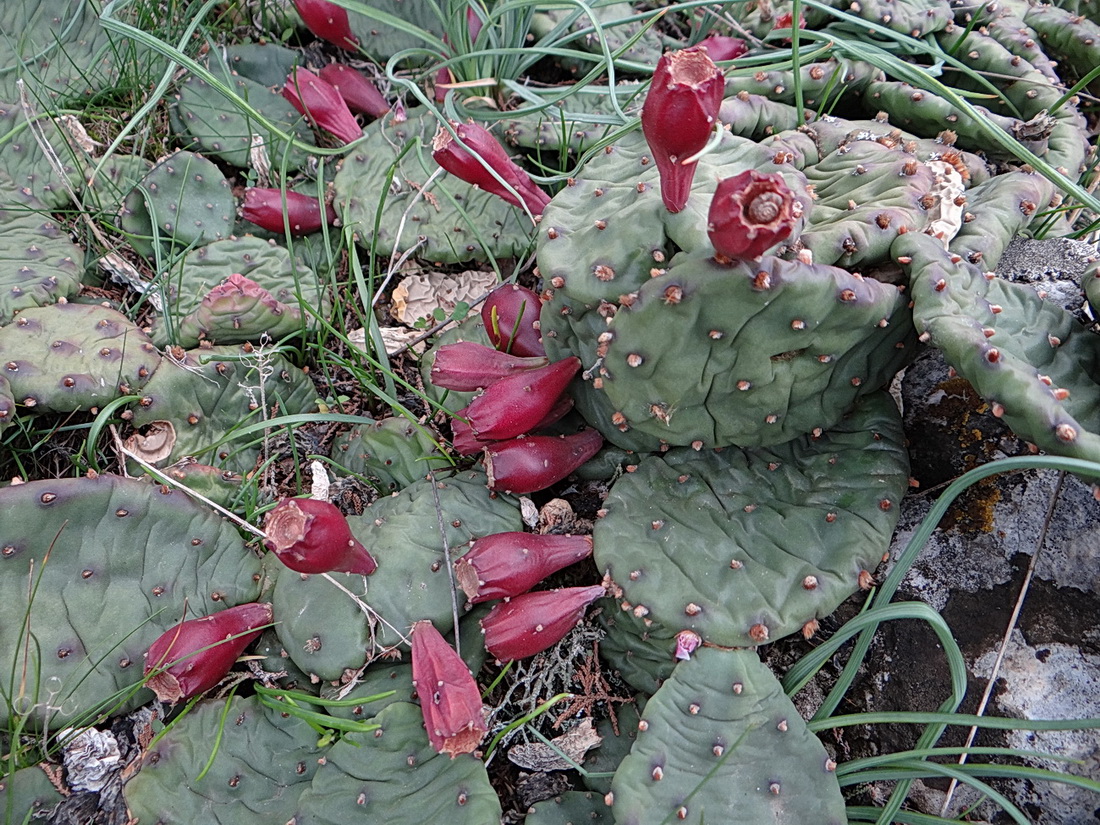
(511, 318)
(449, 697)
(508, 564)
(678, 116)
(267, 208)
(358, 92)
(534, 462)
(321, 104)
(311, 536)
(528, 624)
(328, 21)
(195, 655)
(750, 213)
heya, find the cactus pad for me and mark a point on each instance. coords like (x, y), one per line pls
(393, 453)
(569, 808)
(743, 546)
(720, 742)
(69, 357)
(113, 563)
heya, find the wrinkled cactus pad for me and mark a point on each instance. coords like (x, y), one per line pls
(746, 545)
(284, 298)
(67, 357)
(111, 563)
(392, 453)
(721, 742)
(240, 787)
(452, 221)
(325, 632)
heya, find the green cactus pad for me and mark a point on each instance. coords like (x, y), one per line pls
(393, 453)
(326, 633)
(619, 23)
(110, 185)
(27, 795)
(39, 264)
(639, 649)
(1031, 360)
(260, 761)
(184, 201)
(381, 39)
(746, 546)
(571, 808)
(7, 404)
(392, 775)
(997, 211)
(190, 316)
(69, 356)
(454, 221)
(266, 63)
(222, 129)
(198, 399)
(720, 742)
(113, 563)
(23, 160)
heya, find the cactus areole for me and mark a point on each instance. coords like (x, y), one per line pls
(750, 213)
(679, 113)
(312, 536)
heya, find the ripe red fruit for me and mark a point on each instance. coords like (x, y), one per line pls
(534, 462)
(462, 163)
(358, 92)
(750, 213)
(720, 47)
(449, 696)
(195, 655)
(515, 405)
(328, 21)
(321, 104)
(678, 115)
(312, 536)
(267, 207)
(531, 623)
(511, 318)
(466, 366)
(508, 564)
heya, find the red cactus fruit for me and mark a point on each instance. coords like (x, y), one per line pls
(531, 623)
(358, 92)
(511, 318)
(750, 213)
(678, 115)
(449, 696)
(311, 536)
(508, 564)
(463, 438)
(195, 655)
(328, 21)
(525, 465)
(459, 161)
(515, 405)
(467, 366)
(556, 413)
(266, 208)
(321, 104)
(720, 47)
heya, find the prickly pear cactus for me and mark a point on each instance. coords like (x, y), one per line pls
(266, 63)
(746, 545)
(449, 223)
(326, 633)
(382, 39)
(184, 201)
(24, 161)
(110, 564)
(68, 357)
(570, 807)
(287, 298)
(222, 129)
(1031, 360)
(27, 795)
(391, 453)
(720, 742)
(394, 775)
(176, 785)
(7, 404)
(199, 398)
(39, 264)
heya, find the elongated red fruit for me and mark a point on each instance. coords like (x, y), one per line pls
(311, 536)
(515, 405)
(531, 623)
(449, 697)
(508, 564)
(358, 92)
(524, 465)
(328, 21)
(678, 115)
(195, 655)
(466, 366)
(461, 162)
(321, 104)
(511, 317)
(720, 47)
(463, 438)
(267, 207)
